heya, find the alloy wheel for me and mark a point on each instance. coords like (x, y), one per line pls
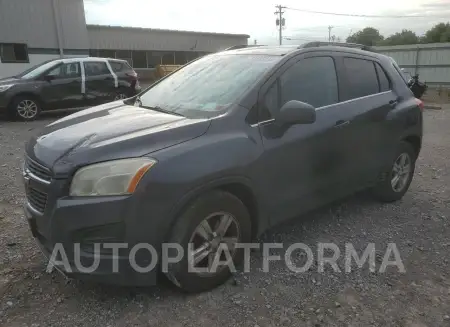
(27, 109)
(216, 229)
(401, 172)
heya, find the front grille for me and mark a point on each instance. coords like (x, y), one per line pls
(38, 170)
(37, 199)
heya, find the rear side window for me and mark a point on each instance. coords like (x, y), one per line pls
(382, 78)
(361, 76)
(311, 80)
(95, 68)
(119, 67)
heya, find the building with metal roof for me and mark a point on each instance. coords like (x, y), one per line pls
(57, 28)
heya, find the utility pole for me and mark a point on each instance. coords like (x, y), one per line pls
(280, 22)
(329, 33)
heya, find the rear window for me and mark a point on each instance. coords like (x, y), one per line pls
(119, 66)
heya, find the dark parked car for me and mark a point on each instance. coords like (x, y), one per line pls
(67, 83)
(219, 151)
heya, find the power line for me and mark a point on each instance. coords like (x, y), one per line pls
(356, 15)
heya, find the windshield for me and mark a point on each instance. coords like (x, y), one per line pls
(37, 70)
(206, 87)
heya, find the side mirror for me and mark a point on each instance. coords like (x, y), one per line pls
(296, 112)
(49, 78)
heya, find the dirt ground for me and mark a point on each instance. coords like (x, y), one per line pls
(419, 225)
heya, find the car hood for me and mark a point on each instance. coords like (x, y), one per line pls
(107, 132)
(10, 80)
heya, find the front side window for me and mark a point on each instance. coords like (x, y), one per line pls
(69, 70)
(208, 86)
(95, 68)
(362, 78)
(311, 80)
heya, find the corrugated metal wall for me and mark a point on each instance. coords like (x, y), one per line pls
(430, 61)
(122, 38)
(32, 22)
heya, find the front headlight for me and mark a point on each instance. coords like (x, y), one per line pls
(110, 178)
(5, 87)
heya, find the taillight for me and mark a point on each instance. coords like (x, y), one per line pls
(420, 104)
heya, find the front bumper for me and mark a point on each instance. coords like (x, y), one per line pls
(4, 101)
(67, 223)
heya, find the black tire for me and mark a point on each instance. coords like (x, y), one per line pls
(384, 190)
(121, 94)
(16, 108)
(188, 221)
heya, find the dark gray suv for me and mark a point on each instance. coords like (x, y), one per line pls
(216, 153)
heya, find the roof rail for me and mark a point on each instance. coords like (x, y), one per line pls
(241, 46)
(337, 44)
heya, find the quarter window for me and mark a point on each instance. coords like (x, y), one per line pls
(95, 68)
(382, 78)
(361, 77)
(311, 80)
(271, 102)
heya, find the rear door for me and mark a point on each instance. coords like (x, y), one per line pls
(62, 86)
(100, 85)
(301, 163)
(369, 98)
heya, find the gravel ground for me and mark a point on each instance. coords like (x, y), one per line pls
(419, 225)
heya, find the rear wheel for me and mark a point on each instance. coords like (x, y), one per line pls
(397, 181)
(25, 108)
(120, 96)
(208, 231)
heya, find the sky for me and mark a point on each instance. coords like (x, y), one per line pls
(257, 18)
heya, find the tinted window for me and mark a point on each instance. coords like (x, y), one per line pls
(271, 103)
(95, 68)
(312, 80)
(362, 78)
(382, 79)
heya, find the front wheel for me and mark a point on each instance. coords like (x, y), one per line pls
(208, 231)
(25, 108)
(398, 179)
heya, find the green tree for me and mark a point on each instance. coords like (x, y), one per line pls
(437, 34)
(368, 36)
(403, 37)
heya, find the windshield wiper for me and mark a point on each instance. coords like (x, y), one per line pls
(138, 103)
(157, 108)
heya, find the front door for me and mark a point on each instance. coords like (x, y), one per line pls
(62, 87)
(100, 85)
(302, 163)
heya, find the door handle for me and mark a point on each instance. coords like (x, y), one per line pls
(393, 103)
(342, 123)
